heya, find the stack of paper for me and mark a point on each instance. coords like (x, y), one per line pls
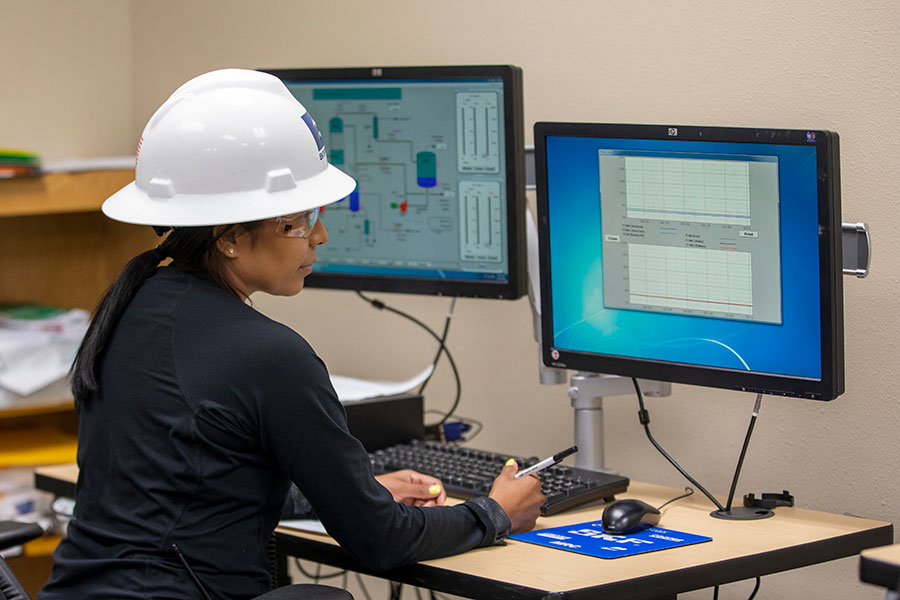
(18, 163)
(37, 347)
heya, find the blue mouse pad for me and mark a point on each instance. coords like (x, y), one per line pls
(588, 538)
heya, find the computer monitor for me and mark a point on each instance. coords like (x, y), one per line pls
(438, 154)
(699, 255)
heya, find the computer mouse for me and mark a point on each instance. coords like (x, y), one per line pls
(628, 516)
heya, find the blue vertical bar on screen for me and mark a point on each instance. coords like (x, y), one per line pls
(354, 200)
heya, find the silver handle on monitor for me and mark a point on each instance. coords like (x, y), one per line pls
(857, 245)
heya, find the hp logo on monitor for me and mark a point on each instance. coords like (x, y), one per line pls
(673, 131)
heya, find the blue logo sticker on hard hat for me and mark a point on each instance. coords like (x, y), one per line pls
(307, 118)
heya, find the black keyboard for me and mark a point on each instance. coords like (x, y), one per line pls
(467, 473)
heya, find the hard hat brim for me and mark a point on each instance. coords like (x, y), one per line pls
(131, 204)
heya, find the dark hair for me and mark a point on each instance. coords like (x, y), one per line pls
(192, 249)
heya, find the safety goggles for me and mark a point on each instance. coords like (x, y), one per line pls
(297, 225)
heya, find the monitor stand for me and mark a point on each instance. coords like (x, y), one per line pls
(586, 391)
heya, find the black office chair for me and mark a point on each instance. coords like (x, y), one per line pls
(306, 591)
(297, 591)
(13, 533)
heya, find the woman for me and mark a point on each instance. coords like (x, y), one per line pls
(196, 411)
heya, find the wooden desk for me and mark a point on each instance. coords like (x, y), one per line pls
(881, 566)
(793, 538)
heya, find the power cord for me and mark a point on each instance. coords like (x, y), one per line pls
(382, 306)
(737, 470)
(318, 574)
(752, 594)
(644, 416)
(688, 492)
(396, 589)
(442, 347)
(362, 586)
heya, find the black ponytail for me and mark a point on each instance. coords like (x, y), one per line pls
(192, 249)
(106, 315)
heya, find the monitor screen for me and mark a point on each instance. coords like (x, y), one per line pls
(700, 255)
(438, 156)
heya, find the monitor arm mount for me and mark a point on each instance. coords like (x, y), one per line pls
(586, 390)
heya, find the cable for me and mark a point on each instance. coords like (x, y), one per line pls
(190, 572)
(644, 417)
(317, 575)
(437, 357)
(396, 589)
(737, 470)
(689, 491)
(755, 589)
(465, 420)
(752, 594)
(362, 586)
(382, 306)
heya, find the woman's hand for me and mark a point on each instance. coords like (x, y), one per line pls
(415, 489)
(521, 499)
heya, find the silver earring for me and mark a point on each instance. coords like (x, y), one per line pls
(231, 251)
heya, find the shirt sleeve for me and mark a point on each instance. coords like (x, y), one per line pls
(303, 427)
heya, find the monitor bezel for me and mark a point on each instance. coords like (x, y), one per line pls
(831, 384)
(511, 76)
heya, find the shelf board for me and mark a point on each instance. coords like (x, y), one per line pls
(38, 408)
(57, 193)
(43, 546)
(37, 446)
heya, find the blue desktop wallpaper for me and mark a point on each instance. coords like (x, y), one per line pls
(581, 323)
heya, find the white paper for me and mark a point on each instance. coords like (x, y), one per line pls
(32, 358)
(310, 525)
(349, 388)
(89, 164)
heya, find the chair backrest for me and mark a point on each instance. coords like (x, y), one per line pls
(13, 533)
(10, 588)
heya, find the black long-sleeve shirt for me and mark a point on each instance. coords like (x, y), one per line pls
(207, 410)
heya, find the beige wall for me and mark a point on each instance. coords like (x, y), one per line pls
(88, 78)
(67, 78)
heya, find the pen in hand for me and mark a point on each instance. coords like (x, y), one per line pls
(547, 462)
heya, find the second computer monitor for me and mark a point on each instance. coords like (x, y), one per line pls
(701, 255)
(437, 153)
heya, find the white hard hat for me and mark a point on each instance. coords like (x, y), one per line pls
(230, 146)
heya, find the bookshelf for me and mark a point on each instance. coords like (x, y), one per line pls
(56, 248)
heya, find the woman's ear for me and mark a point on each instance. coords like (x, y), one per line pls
(226, 243)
